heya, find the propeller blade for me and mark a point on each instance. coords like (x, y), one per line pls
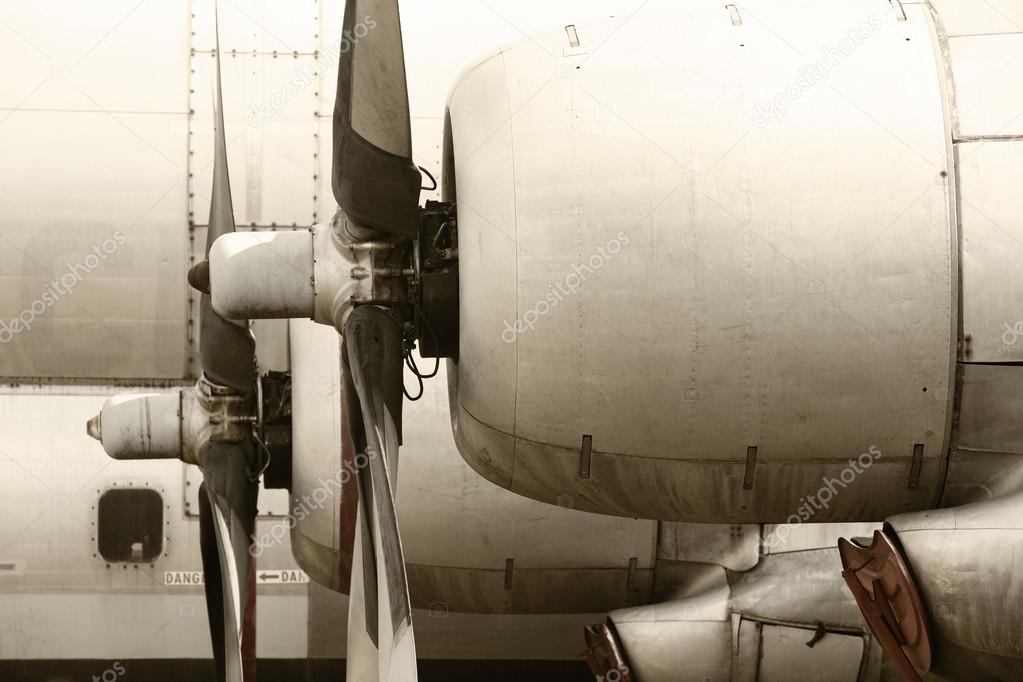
(381, 642)
(363, 657)
(212, 580)
(227, 522)
(227, 351)
(374, 179)
(227, 355)
(221, 207)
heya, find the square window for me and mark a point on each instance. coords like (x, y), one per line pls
(130, 525)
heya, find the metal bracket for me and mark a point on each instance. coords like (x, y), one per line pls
(900, 12)
(212, 413)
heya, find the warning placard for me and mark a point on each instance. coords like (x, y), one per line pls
(282, 577)
(288, 576)
(182, 578)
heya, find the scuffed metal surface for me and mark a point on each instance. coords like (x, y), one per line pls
(737, 302)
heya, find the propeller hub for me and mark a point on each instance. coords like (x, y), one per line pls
(318, 274)
(172, 425)
(212, 413)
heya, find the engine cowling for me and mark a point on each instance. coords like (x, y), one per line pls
(754, 317)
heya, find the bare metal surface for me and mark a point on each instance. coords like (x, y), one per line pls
(987, 458)
(988, 97)
(790, 616)
(992, 226)
(766, 321)
(678, 490)
(735, 547)
(964, 17)
(797, 587)
(784, 650)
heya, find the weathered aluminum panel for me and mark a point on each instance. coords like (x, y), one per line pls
(530, 591)
(682, 640)
(668, 489)
(990, 408)
(798, 537)
(783, 650)
(94, 150)
(745, 649)
(114, 230)
(445, 506)
(988, 86)
(735, 547)
(87, 58)
(969, 17)
(485, 181)
(772, 612)
(712, 298)
(991, 206)
(271, 125)
(102, 625)
(797, 587)
(258, 25)
(987, 457)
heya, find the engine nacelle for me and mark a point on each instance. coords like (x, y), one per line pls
(753, 316)
(786, 618)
